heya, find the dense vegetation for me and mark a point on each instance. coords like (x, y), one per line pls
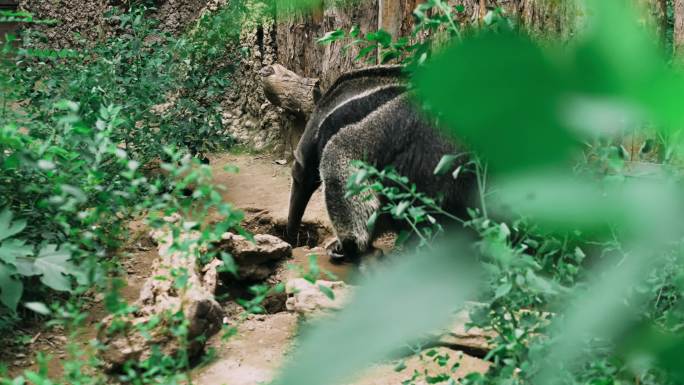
(577, 263)
(82, 135)
(583, 278)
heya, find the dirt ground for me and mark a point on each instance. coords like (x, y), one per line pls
(263, 185)
(255, 354)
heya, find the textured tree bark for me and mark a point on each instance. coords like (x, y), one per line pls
(298, 31)
(679, 30)
(653, 15)
(395, 16)
(660, 12)
(546, 17)
(290, 91)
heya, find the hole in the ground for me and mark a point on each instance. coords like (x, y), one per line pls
(261, 222)
(232, 289)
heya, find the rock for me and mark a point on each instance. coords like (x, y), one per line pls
(309, 299)
(457, 366)
(265, 248)
(256, 272)
(475, 341)
(158, 300)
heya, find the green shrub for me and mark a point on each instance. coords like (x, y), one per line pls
(76, 127)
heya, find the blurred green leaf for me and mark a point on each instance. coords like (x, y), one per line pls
(331, 37)
(432, 285)
(10, 288)
(13, 248)
(327, 291)
(446, 164)
(54, 265)
(38, 307)
(500, 86)
(649, 209)
(8, 227)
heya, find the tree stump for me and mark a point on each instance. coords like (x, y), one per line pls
(290, 91)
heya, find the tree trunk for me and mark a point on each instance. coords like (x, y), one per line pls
(290, 91)
(542, 17)
(653, 15)
(678, 40)
(298, 31)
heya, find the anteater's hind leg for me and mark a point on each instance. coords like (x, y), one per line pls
(349, 215)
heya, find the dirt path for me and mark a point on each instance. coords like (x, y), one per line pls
(256, 353)
(261, 189)
(263, 185)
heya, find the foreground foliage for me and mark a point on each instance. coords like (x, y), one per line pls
(582, 281)
(88, 143)
(77, 126)
(579, 264)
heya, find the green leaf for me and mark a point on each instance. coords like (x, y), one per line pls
(229, 264)
(11, 249)
(370, 224)
(26, 267)
(354, 32)
(46, 165)
(456, 172)
(503, 290)
(55, 267)
(360, 177)
(327, 291)
(67, 105)
(381, 36)
(400, 209)
(445, 164)
(331, 37)
(9, 228)
(38, 307)
(432, 285)
(10, 288)
(365, 52)
(514, 71)
(75, 192)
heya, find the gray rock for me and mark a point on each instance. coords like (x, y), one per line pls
(310, 300)
(255, 260)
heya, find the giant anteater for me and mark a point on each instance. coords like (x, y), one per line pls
(368, 115)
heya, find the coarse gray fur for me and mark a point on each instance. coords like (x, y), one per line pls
(394, 135)
(351, 98)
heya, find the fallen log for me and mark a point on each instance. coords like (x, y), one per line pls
(290, 91)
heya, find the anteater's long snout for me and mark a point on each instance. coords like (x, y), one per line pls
(300, 194)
